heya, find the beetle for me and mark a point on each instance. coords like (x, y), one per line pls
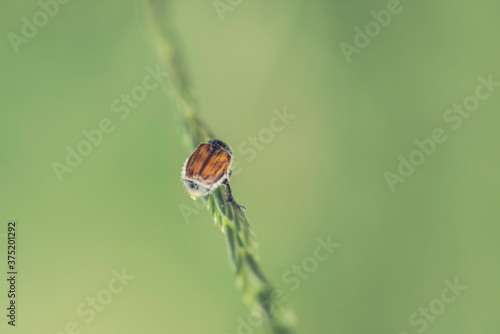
(209, 167)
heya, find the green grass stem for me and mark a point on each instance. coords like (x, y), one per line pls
(258, 293)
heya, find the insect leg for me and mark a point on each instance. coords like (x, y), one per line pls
(230, 198)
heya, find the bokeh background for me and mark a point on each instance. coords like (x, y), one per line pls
(322, 175)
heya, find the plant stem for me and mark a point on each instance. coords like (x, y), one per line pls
(258, 293)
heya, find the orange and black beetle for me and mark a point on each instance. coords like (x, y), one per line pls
(207, 168)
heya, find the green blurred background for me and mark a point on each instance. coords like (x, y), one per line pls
(322, 175)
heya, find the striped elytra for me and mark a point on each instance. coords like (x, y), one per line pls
(209, 163)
